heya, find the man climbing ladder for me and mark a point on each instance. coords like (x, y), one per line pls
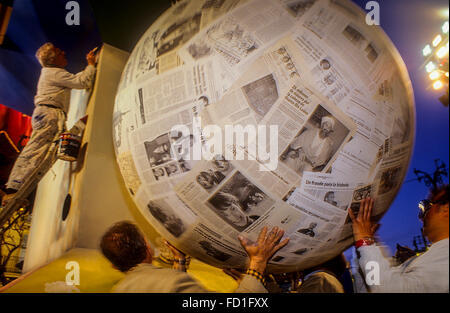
(48, 122)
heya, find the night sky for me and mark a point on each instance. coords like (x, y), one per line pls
(410, 24)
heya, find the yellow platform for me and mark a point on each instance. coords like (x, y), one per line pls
(98, 276)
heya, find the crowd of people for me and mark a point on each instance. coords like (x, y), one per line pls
(130, 252)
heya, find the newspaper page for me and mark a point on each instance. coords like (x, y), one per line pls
(225, 194)
(329, 188)
(125, 120)
(323, 68)
(163, 215)
(124, 123)
(230, 193)
(312, 132)
(156, 51)
(300, 115)
(212, 10)
(318, 226)
(155, 150)
(385, 184)
(240, 35)
(361, 193)
(129, 172)
(328, 39)
(335, 24)
(253, 95)
(390, 177)
(383, 123)
(161, 95)
(355, 162)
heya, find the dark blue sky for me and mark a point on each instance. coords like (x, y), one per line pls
(409, 23)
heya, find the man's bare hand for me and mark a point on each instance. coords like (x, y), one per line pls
(90, 57)
(363, 227)
(264, 248)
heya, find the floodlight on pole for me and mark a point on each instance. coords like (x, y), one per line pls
(445, 28)
(437, 40)
(438, 85)
(435, 75)
(430, 67)
(427, 50)
(442, 52)
(436, 61)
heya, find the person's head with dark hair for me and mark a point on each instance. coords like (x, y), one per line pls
(125, 247)
(434, 214)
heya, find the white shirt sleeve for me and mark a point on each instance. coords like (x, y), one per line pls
(81, 80)
(427, 273)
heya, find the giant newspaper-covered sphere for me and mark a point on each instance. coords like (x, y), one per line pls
(232, 115)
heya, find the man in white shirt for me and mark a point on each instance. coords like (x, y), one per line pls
(52, 103)
(428, 272)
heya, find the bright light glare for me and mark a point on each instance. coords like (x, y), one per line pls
(437, 40)
(430, 67)
(438, 85)
(435, 75)
(442, 52)
(446, 74)
(445, 28)
(427, 50)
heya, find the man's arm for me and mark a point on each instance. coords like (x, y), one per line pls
(380, 276)
(378, 273)
(82, 80)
